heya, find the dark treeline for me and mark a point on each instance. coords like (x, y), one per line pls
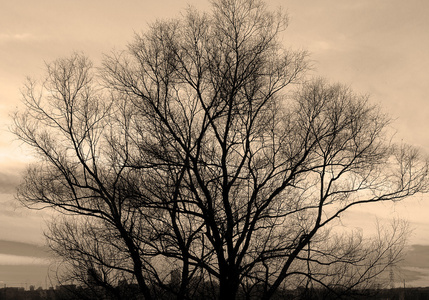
(131, 292)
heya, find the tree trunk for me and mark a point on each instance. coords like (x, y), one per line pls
(137, 262)
(228, 286)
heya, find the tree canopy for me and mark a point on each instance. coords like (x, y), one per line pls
(202, 161)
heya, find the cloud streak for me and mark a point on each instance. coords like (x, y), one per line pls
(12, 260)
(22, 249)
(19, 37)
(414, 269)
(8, 182)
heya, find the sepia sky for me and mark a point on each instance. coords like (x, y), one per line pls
(377, 47)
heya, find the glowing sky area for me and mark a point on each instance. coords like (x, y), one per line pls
(377, 47)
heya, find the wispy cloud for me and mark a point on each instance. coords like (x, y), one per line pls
(22, 249)
(19, 37)
(12, 260)
(8, 182)
(20, 253)
(417, 256)
(414, 269)
(4, 37)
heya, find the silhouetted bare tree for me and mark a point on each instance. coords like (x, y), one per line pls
(202, 149)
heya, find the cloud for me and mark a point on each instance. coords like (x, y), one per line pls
(23, 254)
(12, 260)
(8, 182)
(21, 251)
(414, 268)
(17, 37)
(417, 256)
(411, 275)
